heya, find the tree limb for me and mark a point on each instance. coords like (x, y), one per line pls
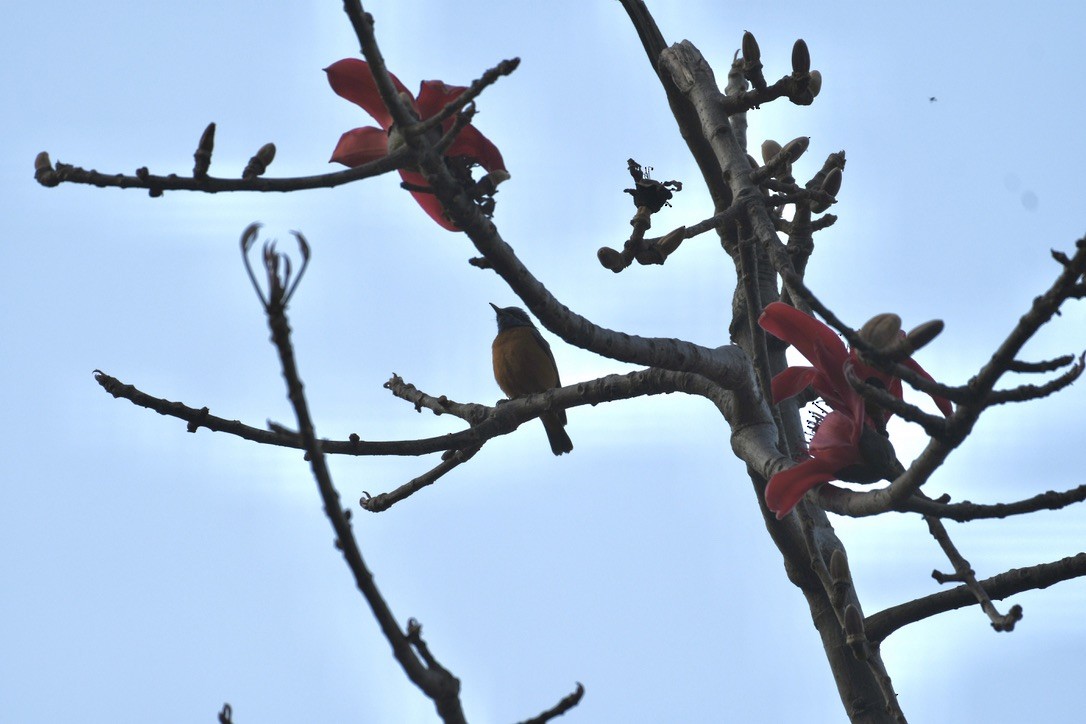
(1017, 580)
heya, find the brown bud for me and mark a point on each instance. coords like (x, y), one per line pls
(203, 152)
(770, 149)
(751, 53)
(923, 334)
(42, 162)
(611, 259)
(43, 170)
(795, 148)
(854, 622)
(855, 636)
(801, 58)
(670, 241)
(830, 185)
(839, 567)
(259, 163)
(882, 330)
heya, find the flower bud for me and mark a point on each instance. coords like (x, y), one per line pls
(43, 170)
(203, 152)
(770, 149)
(796, 148)
(670, 241)
(881, 331)
(751, 53)
(611, 259)
(830, 185)
(855, 636)
(815, 83)
(259, 163)
(801, 58)
(920, 336)
(839, 567)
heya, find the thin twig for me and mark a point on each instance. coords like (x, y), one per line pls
(558, 709)
(963, 573)
(384, 501)
(966, 511)
(1017, 580)
(488, 78)
(1050, 365)
(437, 683)
(1022, 393)
(65, 173)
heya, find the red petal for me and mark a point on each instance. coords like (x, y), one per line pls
(814, 340)
(478, 148)
(832, 449)
(793, 381)
(360, 146)
(435, 95)
(837, 432)
(428, 201)
(788, 487)
(352, 79)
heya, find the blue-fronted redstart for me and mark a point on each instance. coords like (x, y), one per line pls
(524, 365)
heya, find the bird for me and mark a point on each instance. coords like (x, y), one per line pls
(524, 365)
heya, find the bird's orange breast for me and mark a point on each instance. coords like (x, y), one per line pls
(521, 365)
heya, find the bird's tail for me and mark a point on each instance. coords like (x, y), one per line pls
(556, 434)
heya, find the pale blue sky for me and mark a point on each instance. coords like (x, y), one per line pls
(151, 575)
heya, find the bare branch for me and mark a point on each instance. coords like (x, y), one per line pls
(789, 87)
(1017, 580)
(647, 29)
(1023, 393)
(201, 417)
(558, 709)
(963, 573)
(1041, 311)
(966, 511)
(437, 683)
(452, 459)
(1046, 366)
(143, 179)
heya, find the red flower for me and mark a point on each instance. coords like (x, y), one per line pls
(352, 79)
(835, 446)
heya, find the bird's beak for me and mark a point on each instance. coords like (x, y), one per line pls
(495, 306)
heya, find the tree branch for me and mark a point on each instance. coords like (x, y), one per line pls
(558, 709)
(1017, 580)
(967, 511)
(49, 176)
(432, 679)
(963, 573)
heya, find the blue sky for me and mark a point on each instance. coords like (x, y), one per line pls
(151, 574)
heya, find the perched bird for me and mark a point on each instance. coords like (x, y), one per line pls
(524, 365)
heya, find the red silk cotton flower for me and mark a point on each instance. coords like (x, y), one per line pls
(352, 79)
(835, 452)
